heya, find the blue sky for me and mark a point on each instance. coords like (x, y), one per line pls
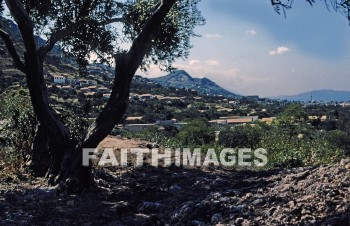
(249, 49)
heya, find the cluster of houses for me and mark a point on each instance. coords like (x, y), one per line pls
(345, 104)
(86, 87)
(132, 125)
(239, 120)
(90, 88)
(62, 80)
(143, 97)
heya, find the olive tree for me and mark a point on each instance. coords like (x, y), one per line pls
(158, 32)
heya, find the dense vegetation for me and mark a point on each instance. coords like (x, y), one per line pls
(292, 140)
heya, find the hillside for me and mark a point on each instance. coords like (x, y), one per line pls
(181, 79)
(58, 63)
(318, 95)
(55, 62)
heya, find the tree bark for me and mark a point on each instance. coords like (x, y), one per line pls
(40, 157)
(12, 51)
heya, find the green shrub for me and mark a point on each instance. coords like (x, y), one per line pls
(286, 148)
(329, 146)
(18, 129)
(197, 132)
(164, 137)
(242, 136)
(75, 122)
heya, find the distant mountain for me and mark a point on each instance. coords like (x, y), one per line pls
(318, 95)
(181, 79)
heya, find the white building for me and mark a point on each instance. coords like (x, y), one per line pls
(57, 79)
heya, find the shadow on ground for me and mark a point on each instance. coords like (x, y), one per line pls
(177, 196)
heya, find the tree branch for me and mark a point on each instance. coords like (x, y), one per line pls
(126, 66)
(54, 38)
(24, 22)
(66, 32)
(143, 41)
(12, 51)
(112, 20)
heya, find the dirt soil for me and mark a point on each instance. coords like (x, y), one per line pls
(178, 196)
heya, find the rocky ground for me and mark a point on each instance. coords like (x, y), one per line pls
(178, 196)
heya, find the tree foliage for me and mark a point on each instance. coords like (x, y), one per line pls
(242, 136)
(81, 27)
(197, 132)
(18, 127)
(88, 24)
(173, 39)
(342, 6)
(293, 113)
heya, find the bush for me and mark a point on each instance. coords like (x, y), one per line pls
(288, 149)
(18, 129)
(329, 147)
(242, 136)
(76, 124)
(284, 149)
(197, 132)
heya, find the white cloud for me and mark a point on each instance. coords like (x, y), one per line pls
(152, 72)
(213, 63)
(215, 35)
(251, 32)
(194, 62)
(279, 51)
